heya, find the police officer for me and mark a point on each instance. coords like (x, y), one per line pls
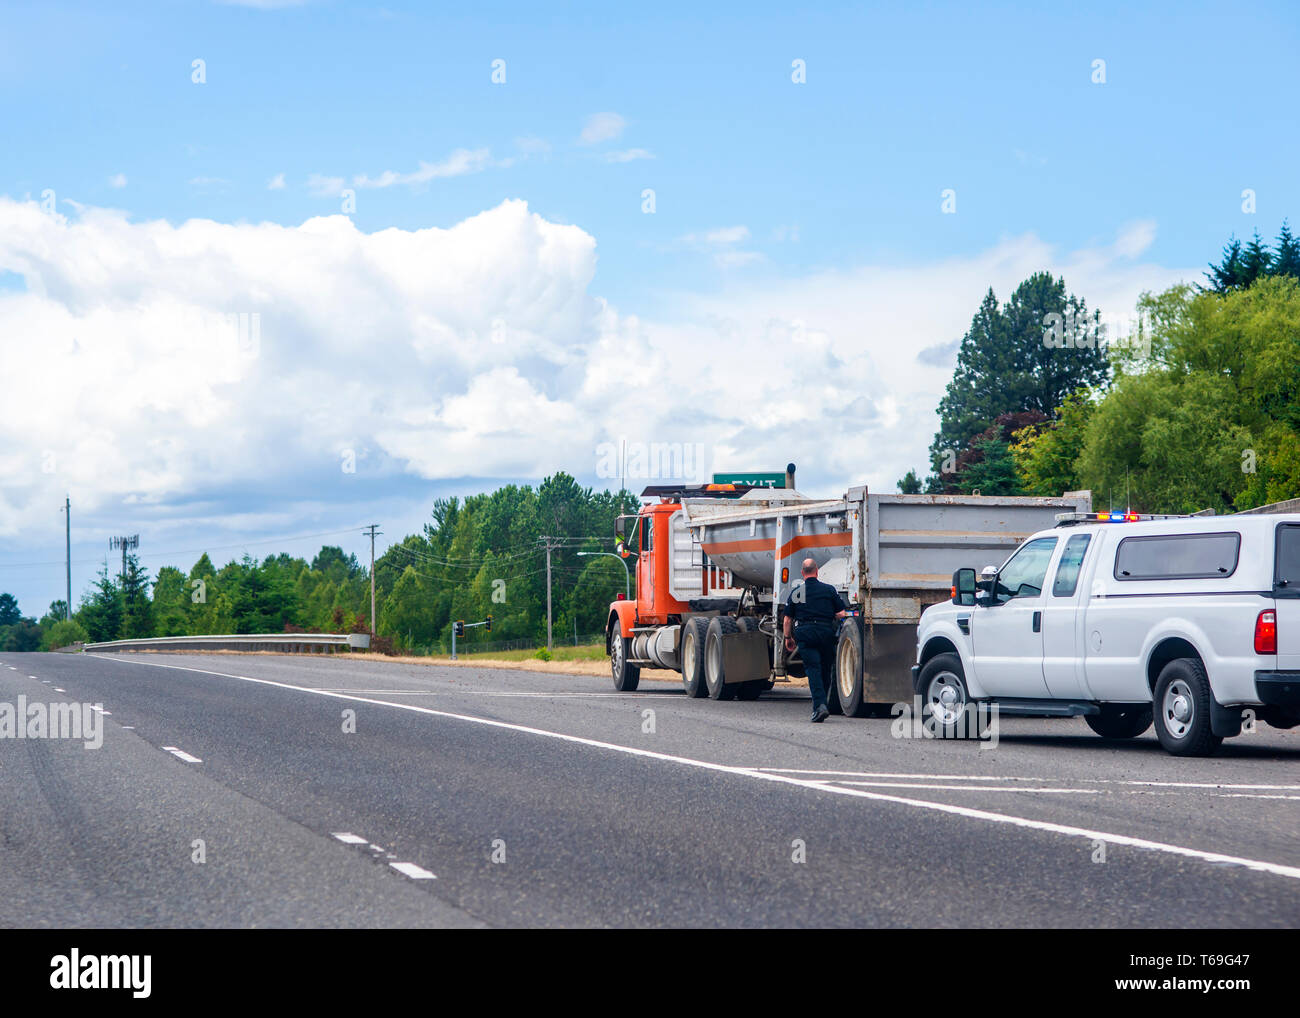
(810, 615)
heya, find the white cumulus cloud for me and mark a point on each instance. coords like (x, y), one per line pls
(204, 375)
(601, 127)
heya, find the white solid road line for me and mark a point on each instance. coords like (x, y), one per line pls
(488, 692)
(1257, 865)
(413, 871)
(837, 775)
(975, 788)
(180, 754)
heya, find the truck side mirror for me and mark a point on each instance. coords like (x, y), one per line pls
(963, 587)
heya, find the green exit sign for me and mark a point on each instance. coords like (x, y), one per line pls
(758, 480)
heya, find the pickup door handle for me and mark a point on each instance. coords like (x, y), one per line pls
(1038, 622)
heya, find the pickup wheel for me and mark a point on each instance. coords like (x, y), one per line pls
(848, 670)
(1182, 709)
(693, 637)
(714, 671)
(1120, 721)
(626, 677)
(942, 688)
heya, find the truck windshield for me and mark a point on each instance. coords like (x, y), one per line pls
(1025, 571)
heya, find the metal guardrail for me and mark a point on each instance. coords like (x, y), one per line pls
(286, 643)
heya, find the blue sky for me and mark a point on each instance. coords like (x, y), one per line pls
(811, 196)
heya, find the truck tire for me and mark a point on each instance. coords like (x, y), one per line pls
(693, 638)
(942, 689)
(626, 677)
(1182, 707)
(714, 671)
(848, 670)
(1120, 720)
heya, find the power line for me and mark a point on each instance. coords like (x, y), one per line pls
(189, 551)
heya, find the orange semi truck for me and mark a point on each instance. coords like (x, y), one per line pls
(715, 564)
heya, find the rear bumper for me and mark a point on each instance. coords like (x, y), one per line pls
(1278, 689)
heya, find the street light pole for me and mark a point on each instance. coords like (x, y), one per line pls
(627, 586)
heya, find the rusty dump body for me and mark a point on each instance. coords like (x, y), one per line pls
(736, 559)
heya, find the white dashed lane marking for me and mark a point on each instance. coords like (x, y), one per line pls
(180, 754)
(408, 869)
(413, 871)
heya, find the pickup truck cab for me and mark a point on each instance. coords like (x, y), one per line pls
(1190, 622)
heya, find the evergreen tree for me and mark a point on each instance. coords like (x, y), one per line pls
(101, 610)
(1230, 272)
(1025, 356)
(137, 609)
(910, 484)
(1286, 254)
(1256, 260)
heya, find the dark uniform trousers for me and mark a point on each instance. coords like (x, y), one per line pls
(816, 641)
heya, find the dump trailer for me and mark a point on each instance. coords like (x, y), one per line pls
(715, 565)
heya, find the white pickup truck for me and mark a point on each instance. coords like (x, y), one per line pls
(1123, 618)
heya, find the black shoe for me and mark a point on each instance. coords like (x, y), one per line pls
(820, 715)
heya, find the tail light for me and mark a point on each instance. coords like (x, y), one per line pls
(1266, 632)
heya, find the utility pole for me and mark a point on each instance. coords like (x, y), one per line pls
(549, 645)
(372, 531)
(67, 511)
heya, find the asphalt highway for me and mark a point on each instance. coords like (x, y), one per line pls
(293, 791)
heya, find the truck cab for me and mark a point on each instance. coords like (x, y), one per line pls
(670, 571)
(1190, 623)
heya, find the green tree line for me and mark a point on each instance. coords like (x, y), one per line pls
(1197, 406)
(477, 556)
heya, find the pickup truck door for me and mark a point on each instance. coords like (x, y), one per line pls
(1007, 637)
(1063, 610)
(1286, 595)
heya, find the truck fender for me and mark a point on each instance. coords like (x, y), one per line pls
(1174, 628)
(947, 630)
(623, 615)
(1224, 721)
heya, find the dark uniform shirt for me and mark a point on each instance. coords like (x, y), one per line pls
(814, 601)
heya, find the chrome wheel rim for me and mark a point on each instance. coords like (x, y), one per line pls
(616, 658)
(946, 698)
(1179, 709)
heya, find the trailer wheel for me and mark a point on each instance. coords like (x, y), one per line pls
(714, 672)
(848, 670)
(693, 639)
(626, 677)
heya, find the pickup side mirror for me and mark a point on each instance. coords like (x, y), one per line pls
(963, 587)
